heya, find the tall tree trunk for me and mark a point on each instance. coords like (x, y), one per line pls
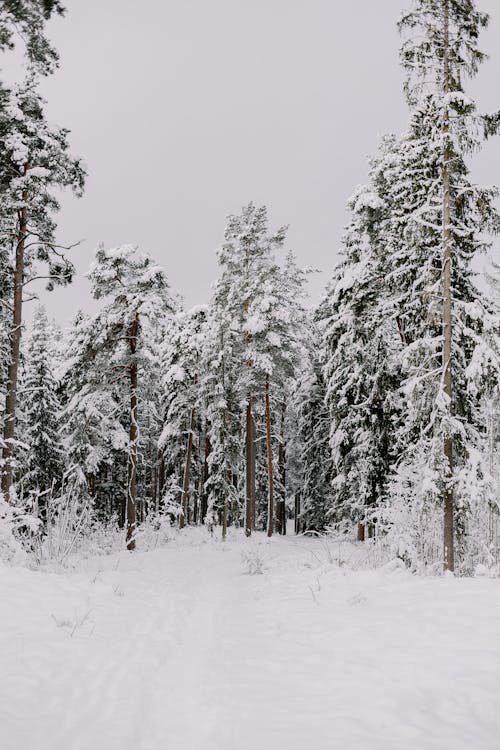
(161, 481)
(250, 470)
(270, 503)
(282, 470)
(448, 536)
(204, 496)
(296, 520)
(183, 519)
(132, 335)
(9, 430)
(253, 466)
(224, 512)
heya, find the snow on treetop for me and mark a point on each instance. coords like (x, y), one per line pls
(255, 324)
(19, 148)
(364, 198)
(458, 98)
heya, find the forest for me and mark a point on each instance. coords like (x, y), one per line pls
(269, 520)
(374, 414)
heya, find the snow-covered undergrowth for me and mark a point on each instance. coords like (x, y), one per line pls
(67, 540)
(178, 647)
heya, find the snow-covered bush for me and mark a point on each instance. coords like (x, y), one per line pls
(16, 528)
(252, 561)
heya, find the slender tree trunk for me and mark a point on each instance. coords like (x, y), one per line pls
(187, 467)
(204, 497)
(154, 485)
(296, 519)
(254, 475)
(449, 510)
(270, 503)
(361, 532)
(224, 512)
(161, 481)
(132, 335)
(9, 430)
(250, 470)
(282, 469)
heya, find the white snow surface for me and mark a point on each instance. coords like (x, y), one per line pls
(179, 648)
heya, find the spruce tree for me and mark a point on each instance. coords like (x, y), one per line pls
(43, 467)
(92, 431)
(312, 435)
(359, 374)
(439, 52)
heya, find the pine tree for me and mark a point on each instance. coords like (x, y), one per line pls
(135, 293)
(25, 19)
(34, 161)
(5, 294)
(247, 261)
(278, 321)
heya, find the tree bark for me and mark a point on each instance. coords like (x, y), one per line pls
(132, 335)
(204, 496)
(161, 481)
(9, 431)
(296, 520)
(270, 503)
(224, 517)
(183, 519)
(448, 499)
(250, 470)
(282, 468)
(361, 532)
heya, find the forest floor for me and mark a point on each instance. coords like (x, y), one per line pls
(181, 648)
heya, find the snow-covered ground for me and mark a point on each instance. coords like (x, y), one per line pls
(181, 649)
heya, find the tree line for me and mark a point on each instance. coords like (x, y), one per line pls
(377, 411)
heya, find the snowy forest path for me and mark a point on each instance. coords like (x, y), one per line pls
(180, 648)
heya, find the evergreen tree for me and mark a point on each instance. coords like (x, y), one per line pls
(183, 410)
(391, 344)
(135, 293)
(247, 261)
(92, 432)
(43, 466)
(316, 509)
(150, 419)
(224, 428)
(34, 162)
(440, 50)
(360, 378)
(26, 19)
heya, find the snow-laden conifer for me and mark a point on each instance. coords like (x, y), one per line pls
(25, 20)
(43, 465)
(183, 416)
(34, 163)
(439, 53)
(359, 372)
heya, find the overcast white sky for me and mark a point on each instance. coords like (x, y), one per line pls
(184, 110)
